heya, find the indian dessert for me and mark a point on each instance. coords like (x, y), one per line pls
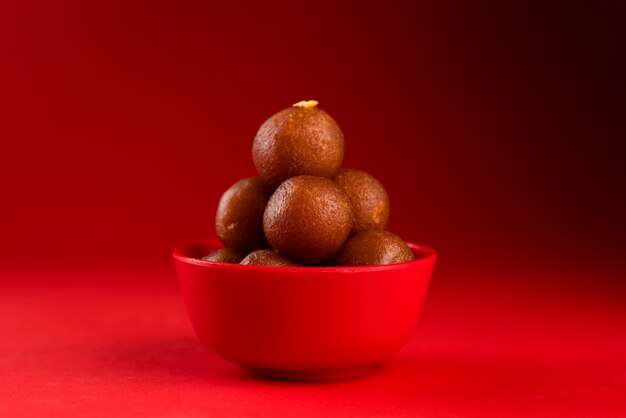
(299, 140)
(370, 203)
(373, 247)
(304, 209)
(239, 218)
(307, 219)
(267, 258)
(225, 255)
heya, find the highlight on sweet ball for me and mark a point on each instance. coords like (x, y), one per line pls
(370, 203)
(239, 218)
(298, 140)
(373, 247)
(308, 219)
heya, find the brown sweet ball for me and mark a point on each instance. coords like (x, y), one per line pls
(267, 258)
(370, 203)
(224, 255)
(308, 219)
(239, 218)
(373, 247)
(299, 140)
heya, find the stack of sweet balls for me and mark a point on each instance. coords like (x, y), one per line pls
(304, 209)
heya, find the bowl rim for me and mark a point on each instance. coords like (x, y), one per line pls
(181, 253)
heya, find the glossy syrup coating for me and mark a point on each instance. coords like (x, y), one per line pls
(267, 258)
(308, 219)
(299, 140)
(239, 218)
(224, 255)
(370, 203)
(373, 247)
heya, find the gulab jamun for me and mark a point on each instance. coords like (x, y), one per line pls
(373, 247)
(299, 140)
(239, 218)
(370, 203)
(224, 255)
(267, 258)
(308, 219)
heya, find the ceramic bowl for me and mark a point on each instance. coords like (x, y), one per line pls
(303, 323)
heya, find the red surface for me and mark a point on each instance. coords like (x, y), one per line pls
(302, 323)
(501, 124)
(119, 343)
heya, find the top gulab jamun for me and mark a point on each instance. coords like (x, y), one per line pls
(299, 140)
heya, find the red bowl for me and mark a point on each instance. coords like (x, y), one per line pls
(303, 323)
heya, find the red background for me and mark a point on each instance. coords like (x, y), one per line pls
(497, 128)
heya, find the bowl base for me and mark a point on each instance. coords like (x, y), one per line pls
(304, 375)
